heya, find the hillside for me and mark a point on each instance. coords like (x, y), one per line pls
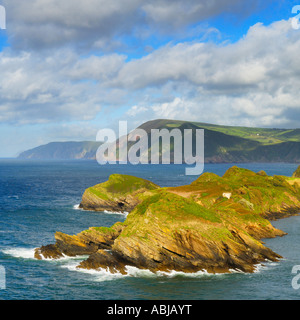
(63, 151)
(222, 144)
(239, 144)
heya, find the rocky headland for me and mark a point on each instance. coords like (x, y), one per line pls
(215, 224)
(121, 193)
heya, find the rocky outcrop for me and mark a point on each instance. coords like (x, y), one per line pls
(188, 228)
(185, 238)
(121, 193)
(85, 243)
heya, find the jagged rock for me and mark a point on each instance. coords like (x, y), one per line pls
(85, 243)
(106, 260)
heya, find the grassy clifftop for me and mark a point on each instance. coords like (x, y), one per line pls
(120, 193)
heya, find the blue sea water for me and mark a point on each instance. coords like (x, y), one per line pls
(39, 198)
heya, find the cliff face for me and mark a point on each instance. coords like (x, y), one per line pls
(169, 232)
(215, 224)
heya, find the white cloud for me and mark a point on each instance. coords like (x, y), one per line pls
(37, 24)
(181, 13)
(254, 81)
(96, 68)
(39, 89)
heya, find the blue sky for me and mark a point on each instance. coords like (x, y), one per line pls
(70, 68)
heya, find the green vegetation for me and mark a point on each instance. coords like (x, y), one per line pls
(121, 185)
(167, 205)
(222, 143)
(239, 144)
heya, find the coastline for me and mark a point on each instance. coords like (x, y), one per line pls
(36, 221)
(160, 246)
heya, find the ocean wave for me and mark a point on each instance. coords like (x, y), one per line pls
(263, 266)
(77, 207)
(102, 275)
(25, 253)
(28, 253)
(98, 275)
(125, 214)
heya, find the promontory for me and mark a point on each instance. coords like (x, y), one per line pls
(215, 224)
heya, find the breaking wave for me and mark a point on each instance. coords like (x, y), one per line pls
(102, 275)
(77, 207)
(24, 253)
(28, 253)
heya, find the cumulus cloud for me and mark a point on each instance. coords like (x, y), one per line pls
(39, 89)
(252, 82)
(181, 13)
(37, 24)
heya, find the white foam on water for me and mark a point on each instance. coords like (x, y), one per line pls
(13, 197)
(173, 274)
(265, 265)
(98, 275)
(28, 253)
(124, 214)
(112, 212)
(25, 253)
(101, 274)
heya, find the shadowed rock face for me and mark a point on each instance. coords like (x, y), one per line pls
(187, 228)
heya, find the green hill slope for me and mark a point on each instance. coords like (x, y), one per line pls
(239, 144)
(221, 144)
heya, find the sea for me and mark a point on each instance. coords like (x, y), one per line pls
(38, 198)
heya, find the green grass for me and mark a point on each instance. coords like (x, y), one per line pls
(239, 144)
(121, 185)
(168, 206)
(98, 193)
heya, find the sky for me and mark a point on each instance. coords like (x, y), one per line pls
(72, 67)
